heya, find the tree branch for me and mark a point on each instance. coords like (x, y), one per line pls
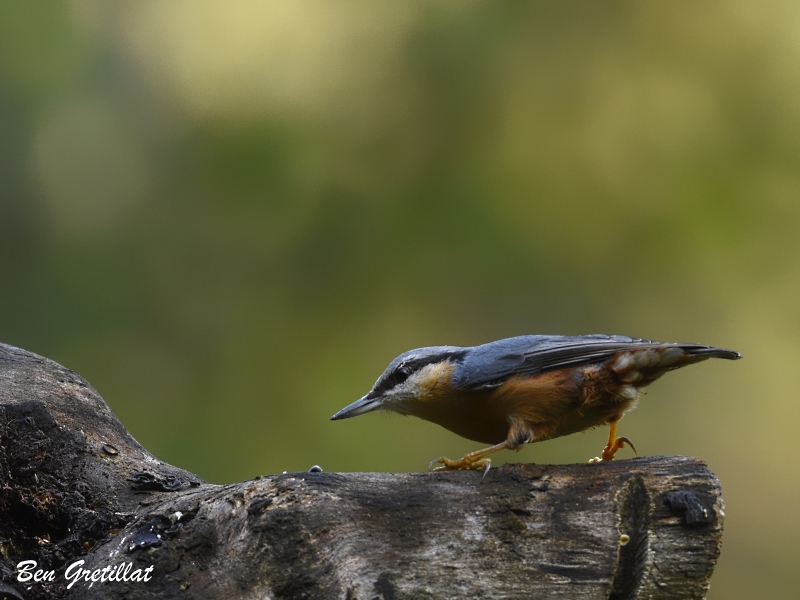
(74, 485)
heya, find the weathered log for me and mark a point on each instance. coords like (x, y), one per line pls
(75, 486)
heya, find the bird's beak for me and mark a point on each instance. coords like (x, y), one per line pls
(359, 407)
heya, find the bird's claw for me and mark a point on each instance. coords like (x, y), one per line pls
(623, 440)
(611, 449)
(441, 459)
(461, 464)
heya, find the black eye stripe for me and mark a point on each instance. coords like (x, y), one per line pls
(411, 365)
(396, 377)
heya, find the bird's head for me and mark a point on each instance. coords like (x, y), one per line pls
(414, 375)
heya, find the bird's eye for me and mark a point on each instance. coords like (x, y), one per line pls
(402, 373)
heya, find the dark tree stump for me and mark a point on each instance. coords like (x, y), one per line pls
(74, 485)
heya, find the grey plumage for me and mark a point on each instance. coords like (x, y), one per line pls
(491, 364)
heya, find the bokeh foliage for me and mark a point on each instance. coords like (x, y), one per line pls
(230, 216)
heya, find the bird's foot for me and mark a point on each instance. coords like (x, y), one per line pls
(611, 449)
(467, 462)
(473, 460)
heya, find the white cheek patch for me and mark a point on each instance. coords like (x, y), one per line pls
(403, 391)
(419, 385)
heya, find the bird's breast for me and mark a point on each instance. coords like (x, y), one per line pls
(536, 408)
(468, 413)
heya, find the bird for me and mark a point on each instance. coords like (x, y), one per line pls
(526, 389)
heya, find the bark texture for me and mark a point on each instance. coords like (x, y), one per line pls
(74, 485)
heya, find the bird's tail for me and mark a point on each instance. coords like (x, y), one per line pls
(671, 358)
(703, 352)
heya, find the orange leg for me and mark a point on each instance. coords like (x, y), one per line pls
(614, 444)
(473, 460)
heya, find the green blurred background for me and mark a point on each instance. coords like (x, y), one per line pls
(230, 216)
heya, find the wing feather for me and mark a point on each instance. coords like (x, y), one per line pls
(491, 364)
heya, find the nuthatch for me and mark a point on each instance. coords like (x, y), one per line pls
(526, 389)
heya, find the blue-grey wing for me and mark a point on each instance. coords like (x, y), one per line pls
(491, 364)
